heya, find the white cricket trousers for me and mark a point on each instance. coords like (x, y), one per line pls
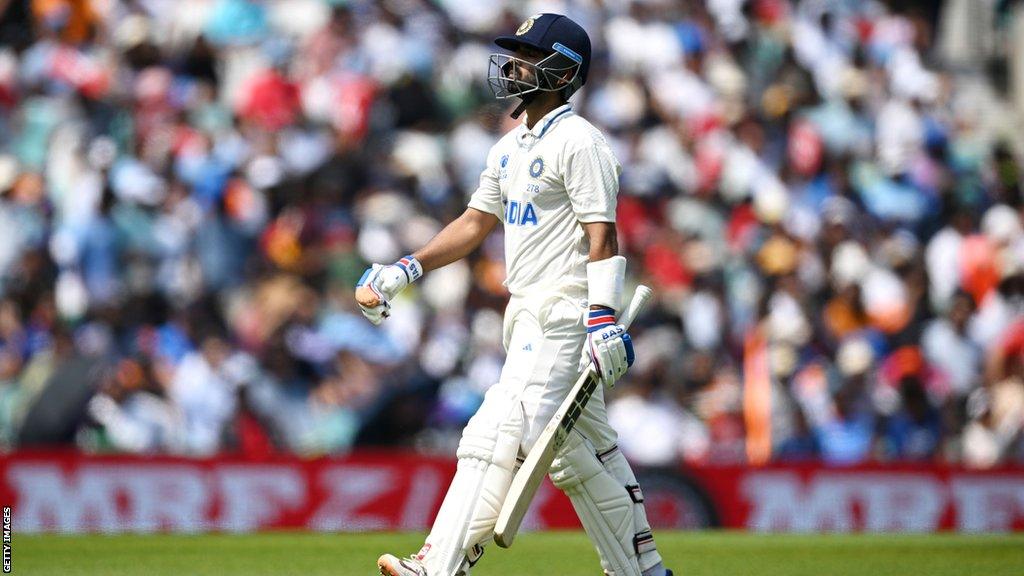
(543, 338)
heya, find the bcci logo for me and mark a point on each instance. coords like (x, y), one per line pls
(504, 160)
(537, 167)
(525, 26)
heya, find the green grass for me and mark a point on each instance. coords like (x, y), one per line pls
(537, 554)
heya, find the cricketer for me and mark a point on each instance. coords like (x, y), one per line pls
(552, 183)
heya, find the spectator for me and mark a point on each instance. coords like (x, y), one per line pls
(188, 191)
(847, 436)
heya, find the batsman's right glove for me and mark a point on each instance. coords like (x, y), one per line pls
(380, 284)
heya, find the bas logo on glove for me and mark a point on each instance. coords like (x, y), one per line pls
(608, 346)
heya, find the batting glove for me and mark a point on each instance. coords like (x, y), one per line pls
(608, 346)
(386, 282)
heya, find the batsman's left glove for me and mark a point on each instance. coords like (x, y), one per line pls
(607, 346)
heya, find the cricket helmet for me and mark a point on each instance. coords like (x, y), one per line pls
(563, 69)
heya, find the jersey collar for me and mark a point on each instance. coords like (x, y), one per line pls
(544, 125)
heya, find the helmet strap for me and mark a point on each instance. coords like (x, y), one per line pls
(526, 99)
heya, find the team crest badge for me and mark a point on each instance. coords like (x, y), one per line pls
(525, 26)
(504, 160)
(537, 167)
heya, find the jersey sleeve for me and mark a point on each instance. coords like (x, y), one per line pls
(591, 175)
(487, 197)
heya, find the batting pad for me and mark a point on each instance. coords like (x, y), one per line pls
(643, 540)
(487, 457)
(497, 477)
(603, 505)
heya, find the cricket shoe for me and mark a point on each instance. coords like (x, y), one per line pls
(393, 566)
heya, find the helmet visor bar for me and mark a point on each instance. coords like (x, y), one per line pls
(510, 76)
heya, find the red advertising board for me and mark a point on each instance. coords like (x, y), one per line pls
(812, 498)
(70, 492)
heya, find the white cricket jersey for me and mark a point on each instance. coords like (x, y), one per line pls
(542, 183)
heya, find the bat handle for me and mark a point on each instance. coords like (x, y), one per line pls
(641, 296)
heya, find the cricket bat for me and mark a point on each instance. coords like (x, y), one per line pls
(538, 461)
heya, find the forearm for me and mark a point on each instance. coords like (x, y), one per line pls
(457, 240)
(603, 242)
(606, 249)
(608, 346)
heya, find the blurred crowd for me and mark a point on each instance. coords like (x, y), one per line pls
(825, 195)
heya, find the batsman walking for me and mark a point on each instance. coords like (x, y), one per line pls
(552, 182)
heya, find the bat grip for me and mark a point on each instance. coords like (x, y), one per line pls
(641, 296)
